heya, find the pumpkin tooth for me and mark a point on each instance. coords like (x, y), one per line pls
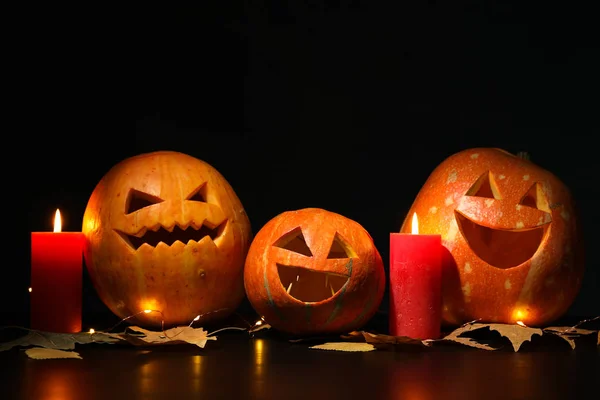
(157, 227)
(183, 227)
(168, 228)
(196, 226)
(140, 233)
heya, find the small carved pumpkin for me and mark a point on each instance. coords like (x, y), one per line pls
(312, 271)
(510, 229)
(165, 231)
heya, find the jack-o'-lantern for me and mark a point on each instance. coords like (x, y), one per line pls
(165, 232)
(509, 227)
(313, 271)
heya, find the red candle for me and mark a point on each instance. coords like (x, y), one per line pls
(56, 280)
(415, 284)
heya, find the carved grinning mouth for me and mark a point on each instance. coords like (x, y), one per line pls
(168, 236)
(498, 247)
(309, 285)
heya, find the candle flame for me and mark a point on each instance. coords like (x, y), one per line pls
(57, 221)
(415, 224)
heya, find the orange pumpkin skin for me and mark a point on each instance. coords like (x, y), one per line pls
(341, 258)
(166, 196)
(509, 227)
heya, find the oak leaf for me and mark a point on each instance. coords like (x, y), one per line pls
(178, 335)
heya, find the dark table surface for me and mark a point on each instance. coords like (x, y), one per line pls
(268, 366)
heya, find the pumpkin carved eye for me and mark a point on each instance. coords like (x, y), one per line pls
(536, 198)
(294, 241)
(136, 200)
(305, 283)
(199, 194)
(485, 186)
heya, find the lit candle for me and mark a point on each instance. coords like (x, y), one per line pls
(56, 280)
(415, 284)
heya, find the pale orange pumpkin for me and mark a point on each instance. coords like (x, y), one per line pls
(165, 231)
(510, 230)
(313, 271)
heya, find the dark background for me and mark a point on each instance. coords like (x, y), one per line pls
(343, 105)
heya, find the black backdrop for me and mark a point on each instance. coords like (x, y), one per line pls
(342, 105)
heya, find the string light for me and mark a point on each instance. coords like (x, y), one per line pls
(196, 318)
(577, 325)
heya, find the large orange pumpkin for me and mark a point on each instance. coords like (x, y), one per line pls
(165, 231)
(313, 271)
(511, 234)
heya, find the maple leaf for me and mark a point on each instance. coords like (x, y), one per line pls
(59, 341)
(516, 334)
(178, 335)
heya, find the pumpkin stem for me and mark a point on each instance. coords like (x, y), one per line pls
(524, 155)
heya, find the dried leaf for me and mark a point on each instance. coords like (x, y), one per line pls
(178, 335)
(454, 336)
(568, 333)
(517, 335)
(47, 354)
(60, 341)
(383, 339)
(344, 346)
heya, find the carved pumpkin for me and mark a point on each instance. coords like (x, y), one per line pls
(510, 229)
(312, 271)
(165, 231)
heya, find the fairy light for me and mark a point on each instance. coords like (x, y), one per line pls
(194, 320)
(250, 327)
(30, 289)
